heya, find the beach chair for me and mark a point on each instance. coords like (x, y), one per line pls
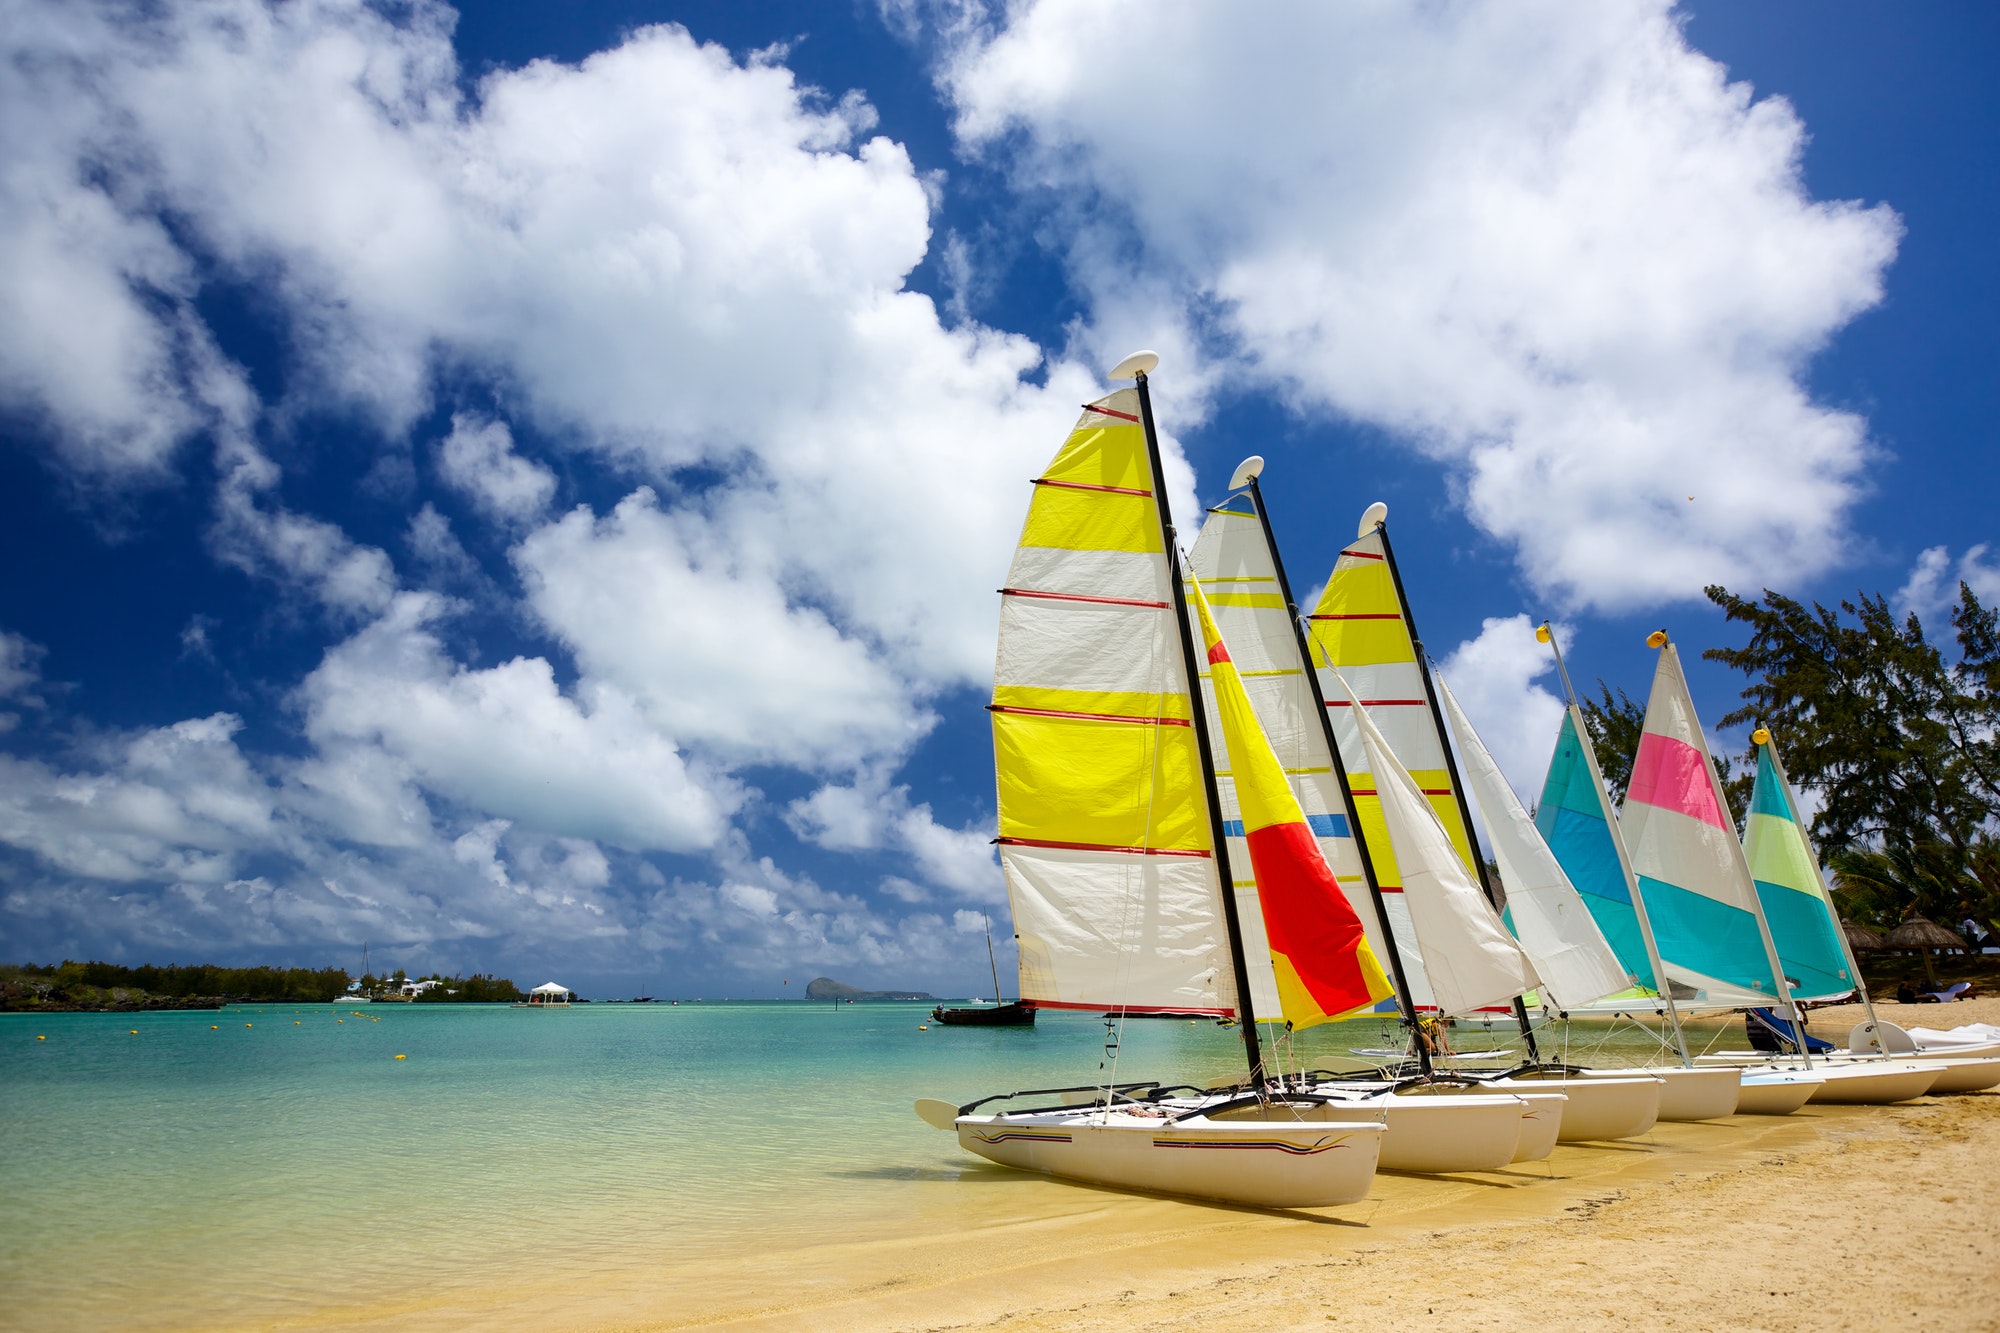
(1955, 991)
(1768, 1032)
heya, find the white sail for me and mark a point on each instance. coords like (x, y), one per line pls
(1471, 960)
(1570, 953)
(1233, 562)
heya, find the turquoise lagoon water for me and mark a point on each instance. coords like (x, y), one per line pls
(277, 1163)
(269, 1162)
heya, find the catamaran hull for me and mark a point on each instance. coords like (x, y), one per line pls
(1265, 1163)
(1874, 1084)
(1974, 1075)
(1599, 1107)
(1436, 1135)
(1541, 1125)
(1776, 1092)
(1690, 1094)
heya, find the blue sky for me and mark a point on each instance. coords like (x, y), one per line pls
(542, 517)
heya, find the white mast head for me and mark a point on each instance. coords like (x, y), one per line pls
(1246, 472)
(1135, 365)
(1372, 518)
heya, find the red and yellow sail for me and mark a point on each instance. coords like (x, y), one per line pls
(1324, 965)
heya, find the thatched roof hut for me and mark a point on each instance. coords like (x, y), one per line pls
(1923, 934)
(1860, 938)
(1920, 932)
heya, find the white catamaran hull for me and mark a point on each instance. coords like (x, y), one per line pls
(1541, 1124)
(1860, 1081)
(1875, 1083)
(1689, 1094)
(1433, 1135)
(1599, 1107)
(1966, 1075)
(1266, 1163)
(1776, 1091)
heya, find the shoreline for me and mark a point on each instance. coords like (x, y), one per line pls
(1721, 1224)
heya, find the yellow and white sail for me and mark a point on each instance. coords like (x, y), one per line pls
(1104, 825)
(1232, 560)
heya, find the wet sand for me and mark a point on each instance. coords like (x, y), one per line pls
(1833, 1218)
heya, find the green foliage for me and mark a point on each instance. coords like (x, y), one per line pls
(295, 984)
(479, 988)
(1898, 743)
(1615, 726)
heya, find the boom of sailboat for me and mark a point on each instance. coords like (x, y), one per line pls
(1213, 803)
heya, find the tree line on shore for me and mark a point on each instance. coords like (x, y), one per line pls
(1896, 742)
(95, 985)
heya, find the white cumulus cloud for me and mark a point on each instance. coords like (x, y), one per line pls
(1549, 244)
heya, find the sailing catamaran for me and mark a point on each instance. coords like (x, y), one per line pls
(1113, 844)
(1410, 797)
(1236, 561)
(1810, 943)
(1698, 893)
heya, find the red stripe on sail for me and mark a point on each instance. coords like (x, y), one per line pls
(1099, 847)
(1359, 615)
(1081, 597)
(1428, 791)
(1218, 653)
(1089, 486)
(1109, 412)
(1091, 717)
(1380, 703)
(1307, 917)
(1362, 555)
(1104, 1008)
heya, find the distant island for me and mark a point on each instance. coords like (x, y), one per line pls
(826, 988)
(73, 987)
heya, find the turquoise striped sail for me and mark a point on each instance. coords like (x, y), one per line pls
(1571, 819)
(1791, 890)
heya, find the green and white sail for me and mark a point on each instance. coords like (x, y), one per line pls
(1790, 886)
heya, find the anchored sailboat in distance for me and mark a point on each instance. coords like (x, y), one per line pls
(1113, 846)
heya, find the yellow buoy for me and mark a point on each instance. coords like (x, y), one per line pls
(340, 1020)
(135, 1032)
(41, 1039)
(402, 1057)
(923, 1027)
(215, 1027)
(296, 1023)
(249, 1025)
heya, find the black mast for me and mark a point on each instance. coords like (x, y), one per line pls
(1246, 1013)
(1403, 993)
(1450, 764)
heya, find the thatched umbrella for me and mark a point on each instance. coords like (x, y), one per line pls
(1860, 938)
(1924, 934)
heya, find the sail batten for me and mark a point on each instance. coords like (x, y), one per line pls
(1105, 829)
